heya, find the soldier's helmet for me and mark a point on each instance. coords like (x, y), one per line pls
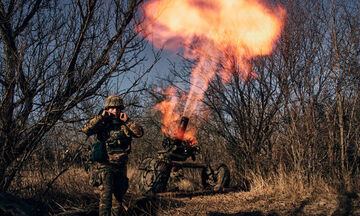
(114, 101)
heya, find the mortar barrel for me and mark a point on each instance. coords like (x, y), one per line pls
(182, 127)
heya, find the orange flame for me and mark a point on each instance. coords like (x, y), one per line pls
(171, 117)
(221, 35)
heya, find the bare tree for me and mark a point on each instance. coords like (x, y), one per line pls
(343, 25)
(320, 47)
(301, 112)
(56, 56)
(244, 114)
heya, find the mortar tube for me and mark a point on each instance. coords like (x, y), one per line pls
(182, 127)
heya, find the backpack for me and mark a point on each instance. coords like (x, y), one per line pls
(98, 152)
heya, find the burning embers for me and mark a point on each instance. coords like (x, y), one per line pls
(220, 35)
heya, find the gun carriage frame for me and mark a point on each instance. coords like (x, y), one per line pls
(154, 173)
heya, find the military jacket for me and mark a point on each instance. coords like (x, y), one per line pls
(115, 134)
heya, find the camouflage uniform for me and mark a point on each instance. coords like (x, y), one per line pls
(110, 175)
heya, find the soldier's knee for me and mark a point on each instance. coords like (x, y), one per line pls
(104, 210)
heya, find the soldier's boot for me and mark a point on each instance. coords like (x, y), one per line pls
(118, 211)
(117, 207)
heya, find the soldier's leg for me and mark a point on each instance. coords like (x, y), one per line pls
(121, 184)
(106, 189)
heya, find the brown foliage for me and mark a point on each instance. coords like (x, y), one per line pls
(57, 57)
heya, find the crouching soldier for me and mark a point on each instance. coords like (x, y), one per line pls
(114, 132)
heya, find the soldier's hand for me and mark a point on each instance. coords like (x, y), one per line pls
(123, 117)
(105, 113)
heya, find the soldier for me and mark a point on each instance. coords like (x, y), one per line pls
(114, 132)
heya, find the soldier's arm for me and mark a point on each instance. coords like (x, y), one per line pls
(93, 126)
(136, 129)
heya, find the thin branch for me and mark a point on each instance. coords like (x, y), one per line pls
(27, 19)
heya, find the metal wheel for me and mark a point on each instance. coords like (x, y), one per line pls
(153, 176)
(222, 176)
(217, 179)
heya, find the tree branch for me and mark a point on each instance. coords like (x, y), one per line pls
(27, 19)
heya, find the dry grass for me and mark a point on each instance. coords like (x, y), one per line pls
(278, 195)
(70, 190)
(281, 194)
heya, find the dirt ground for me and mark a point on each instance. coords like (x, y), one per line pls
(248, 203)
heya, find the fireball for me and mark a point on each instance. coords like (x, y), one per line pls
(221, 35)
